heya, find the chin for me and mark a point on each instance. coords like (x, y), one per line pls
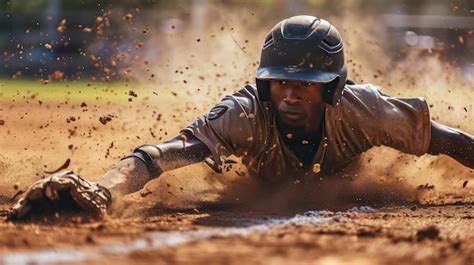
(294, 123)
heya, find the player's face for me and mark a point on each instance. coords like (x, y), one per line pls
(297, 102)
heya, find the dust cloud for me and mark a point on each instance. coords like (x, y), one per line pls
(196, 62)
(216, 65)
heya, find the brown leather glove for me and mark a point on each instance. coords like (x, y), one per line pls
(49, 191)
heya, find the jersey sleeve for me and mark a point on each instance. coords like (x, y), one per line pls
(370, 118)
(229, 127)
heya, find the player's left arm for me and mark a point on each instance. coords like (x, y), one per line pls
(454, 143)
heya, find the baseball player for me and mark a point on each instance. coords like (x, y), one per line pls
(302, 118)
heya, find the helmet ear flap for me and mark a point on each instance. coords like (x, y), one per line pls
(333, 91)
(263, 89)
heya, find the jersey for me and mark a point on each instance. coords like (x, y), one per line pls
(244, 126)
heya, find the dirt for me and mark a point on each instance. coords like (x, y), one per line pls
(392, 235)
(165, 224)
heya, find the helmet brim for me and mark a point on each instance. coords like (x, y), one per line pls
(288, 73)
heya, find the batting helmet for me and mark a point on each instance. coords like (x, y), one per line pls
(303, 48)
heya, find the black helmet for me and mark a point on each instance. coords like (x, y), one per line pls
(303, 48)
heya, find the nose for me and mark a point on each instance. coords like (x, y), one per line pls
(292, 96)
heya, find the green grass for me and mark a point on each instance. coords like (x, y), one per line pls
(74, 91)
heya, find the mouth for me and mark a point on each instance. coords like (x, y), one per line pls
(292, 115)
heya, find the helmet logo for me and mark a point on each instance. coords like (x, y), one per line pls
(328, 62)
(268, 42)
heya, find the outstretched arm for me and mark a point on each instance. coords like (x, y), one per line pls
(452, 142)
(149, 161)
(129, 175)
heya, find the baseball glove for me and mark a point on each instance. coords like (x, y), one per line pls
(62, 189)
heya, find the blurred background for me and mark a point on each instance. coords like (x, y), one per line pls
(63, 39)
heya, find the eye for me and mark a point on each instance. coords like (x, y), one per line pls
(306, 84)
(281, 82)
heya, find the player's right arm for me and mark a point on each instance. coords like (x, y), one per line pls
(128, 175)
(149, 161)
(227, 129)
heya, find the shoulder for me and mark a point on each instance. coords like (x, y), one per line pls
(362, 99)
(361, 92)
(247, 96)
(241, 103)
(245, 100)
(361, 106)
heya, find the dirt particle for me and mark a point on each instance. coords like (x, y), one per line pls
(63, 166)
(365, 233)
(464, 184)
(316, 168)
(70, 119)
(2, 122)
(427, 186)
(431, 232)
(89, 239)
(62, 26)
(128, 17)
(183, 137)
(76, 219)
(100, 227)
(456, 245)
(106, 118)
(58, 75)
(132, 93)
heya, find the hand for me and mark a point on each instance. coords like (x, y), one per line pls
(84, 194)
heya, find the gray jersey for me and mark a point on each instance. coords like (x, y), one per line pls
(242, 125)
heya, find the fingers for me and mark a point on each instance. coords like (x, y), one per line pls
(55, 185)
(19, 210)
(92, 198)
(38, 192)
(24, 205)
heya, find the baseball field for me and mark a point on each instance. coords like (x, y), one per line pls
(155, 68)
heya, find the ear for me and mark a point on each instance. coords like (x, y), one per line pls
(329, 91)
(263, 88)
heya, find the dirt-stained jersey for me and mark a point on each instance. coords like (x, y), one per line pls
(242, 125)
